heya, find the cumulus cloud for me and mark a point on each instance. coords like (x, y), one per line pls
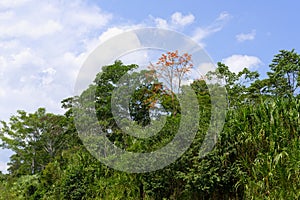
(25, 28)
(162, 23)
(237, 63)
(116, 30)
(179, 19)
(246, 36)
(42, 45)
(111, 32)
(37, 19)
(176, 21)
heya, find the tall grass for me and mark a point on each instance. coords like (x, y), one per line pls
(268, 148)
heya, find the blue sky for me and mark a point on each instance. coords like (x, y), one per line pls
(44, 43)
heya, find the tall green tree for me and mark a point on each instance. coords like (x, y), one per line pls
(236, 84)
(35, 138)
(284, 77)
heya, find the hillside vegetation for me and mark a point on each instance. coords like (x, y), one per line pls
(256, 156)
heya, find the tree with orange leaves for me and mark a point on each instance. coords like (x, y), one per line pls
(172, 69)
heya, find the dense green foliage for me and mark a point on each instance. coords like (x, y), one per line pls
(257, 155)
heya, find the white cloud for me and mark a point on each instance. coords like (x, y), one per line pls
(246, 36)
(42, 46)
(177, 21)
(224, 16)
(2, 92)
(26, 56)
(12, 4)
(6, 15)
(216, 26)
(161, 23)
(109, 33)
(178, 18)
(4, 157)
(237, 63)
(47, 76)
(202, 69)
(140, 57)
(3, 167)
(25, 28)
(36, 19)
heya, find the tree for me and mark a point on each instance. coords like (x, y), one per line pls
(172, 69)
(256, 156)
(36, 138)
(105, 82)
(235, 83)
(284, 78)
